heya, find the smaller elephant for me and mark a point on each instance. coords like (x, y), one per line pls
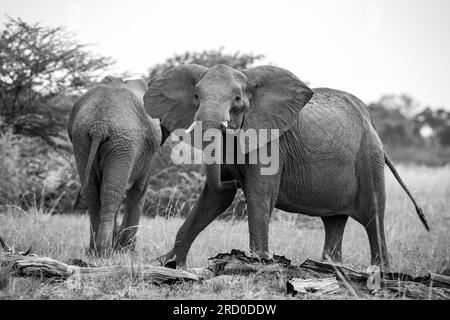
(114, 141)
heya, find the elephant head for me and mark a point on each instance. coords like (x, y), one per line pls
(264, 97)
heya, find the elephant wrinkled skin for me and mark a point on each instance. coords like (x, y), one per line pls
(331, 160)
(114, 141)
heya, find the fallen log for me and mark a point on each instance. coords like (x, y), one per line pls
(439, 280)
(315, 286)
(35, 266)
(433, 279)
(432, 286)
(415, 290)
(240, 262)
(331, 268)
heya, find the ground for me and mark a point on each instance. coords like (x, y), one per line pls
(65, 237)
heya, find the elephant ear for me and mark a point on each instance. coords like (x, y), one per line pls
(138, 87)
(277, 96)
(170, 96)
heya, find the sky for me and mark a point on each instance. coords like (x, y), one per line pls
(365, 47)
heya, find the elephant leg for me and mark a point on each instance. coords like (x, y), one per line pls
(370, 212)
(92, 197)
(209, 206)
(259, 212)
(112, 193)
(261, 193)
(378, 250)
(93, 206)
(134, 203)
(334, 232)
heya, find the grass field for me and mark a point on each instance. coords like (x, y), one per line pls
(64, 237)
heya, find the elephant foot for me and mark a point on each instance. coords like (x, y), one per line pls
(125, 243)
(125, 247)
(172, 261)
(89, 251)
(382, 263)
(101, 247)
(100, 251)
(262, 255)
(333, 256)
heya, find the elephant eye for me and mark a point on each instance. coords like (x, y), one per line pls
(196, 96)
(238, 99)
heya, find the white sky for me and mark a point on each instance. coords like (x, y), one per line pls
(365, 47)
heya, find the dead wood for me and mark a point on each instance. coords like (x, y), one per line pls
(432, 286)
(415, 290)
(315, 286)
(331, 268)
(240, 262)
(439, 280)
(35, 266)
(310, 277)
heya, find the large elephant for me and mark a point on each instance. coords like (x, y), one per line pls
(114, 141)
(331, 160)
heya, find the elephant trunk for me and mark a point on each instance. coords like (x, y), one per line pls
(213, 171)
(213, 179)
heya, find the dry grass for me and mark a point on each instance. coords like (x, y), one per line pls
(413, 250)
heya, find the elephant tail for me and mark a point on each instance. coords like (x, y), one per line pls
(97, 135)
(400, 181)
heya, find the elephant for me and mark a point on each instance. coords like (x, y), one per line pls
(331, 159)
(114, 141)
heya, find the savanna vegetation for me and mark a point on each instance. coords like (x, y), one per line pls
(65, 237)
(44, 69)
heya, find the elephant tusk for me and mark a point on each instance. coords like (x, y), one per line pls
(225, 124)
(188, 130)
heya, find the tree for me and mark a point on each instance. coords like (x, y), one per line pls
(207, 58)
(392, 119)
(444, 136)
(436, 119)
(404, 103)
(41, 68)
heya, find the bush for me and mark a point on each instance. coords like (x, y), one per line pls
(11, 178)
(33, 173)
